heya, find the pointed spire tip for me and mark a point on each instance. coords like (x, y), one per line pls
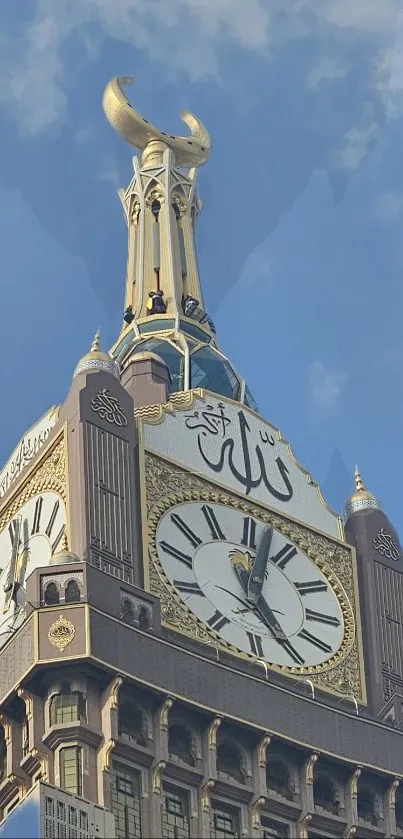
(96, 344)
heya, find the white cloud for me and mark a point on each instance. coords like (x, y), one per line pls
(357, 142)
(186, 35)
(388, 206)
(327, 70)
(325, 385)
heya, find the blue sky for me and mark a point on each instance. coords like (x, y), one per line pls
(300, 244)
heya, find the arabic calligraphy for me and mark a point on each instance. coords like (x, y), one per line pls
(209, 420)
(26, 450)
(246, 462)
(107, 407)
(384, 544)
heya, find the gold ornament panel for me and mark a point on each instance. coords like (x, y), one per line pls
(48, 474)
(168, 485)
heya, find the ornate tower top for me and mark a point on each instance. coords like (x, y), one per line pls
(164, 309)
(361, 499)
(96, 360)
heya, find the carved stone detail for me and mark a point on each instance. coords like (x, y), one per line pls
(164, 712)
(106, 405)
(206, 794)
(256, 810)
(310, 767)
(262, 749)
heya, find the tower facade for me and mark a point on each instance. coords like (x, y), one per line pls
(192, 642)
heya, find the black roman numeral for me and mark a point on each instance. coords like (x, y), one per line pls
(188, 588)
(211, 519)
(249, 533)
(292, 652)
(185, 529)
(176, 553)
(37, 516)
(59, 536)
(284, 555)
(255, 642)
(217, 621)
(52, 519)
(311, 587)
(316, 642)
(321, 618)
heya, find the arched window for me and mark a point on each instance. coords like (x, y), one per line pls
(127, 611)
(52, 596)
(67, 706)
(229, 762)
(72, 592)
(278, 777)
(366, 806)
(3, 753)
(132, 724)
(180, 744)
(325, 794)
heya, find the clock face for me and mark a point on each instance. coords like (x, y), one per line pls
(293, 618)
(26, 543)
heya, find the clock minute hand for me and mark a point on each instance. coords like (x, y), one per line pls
(257, 574)
(9, 585)
(261, 607)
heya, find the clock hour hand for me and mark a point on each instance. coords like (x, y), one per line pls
(261, 607)
(257, 574)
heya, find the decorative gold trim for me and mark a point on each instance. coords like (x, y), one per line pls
(206, 794)
(212, 731)
(391, 793)
(353, 783)
(28, 702)
(157, 773)
(351, 832)
(303, 825)
(256, 808)
(262, 750)
(310, 767)
(106, 755)
(168, 487)
(164, 712)
(42, 759)
(47, 474)
(61, 633)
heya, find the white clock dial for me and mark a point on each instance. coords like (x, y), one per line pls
(26, 543)
(207, 552)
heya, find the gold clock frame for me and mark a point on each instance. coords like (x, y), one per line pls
(166, 485)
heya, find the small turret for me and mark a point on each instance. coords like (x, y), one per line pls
(380, 578)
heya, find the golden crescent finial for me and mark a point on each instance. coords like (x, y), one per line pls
(139, 132)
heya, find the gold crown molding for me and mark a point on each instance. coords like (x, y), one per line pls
(207, 789)
(310, 767)
(391, 793)
(256, 808)
(212, 732)
(157, 773)
(48, 474)
(184, 400)
(28, 702)
(262, 750)
(164, 712)
(167, 485)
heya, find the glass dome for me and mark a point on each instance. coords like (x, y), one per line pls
(208, 368)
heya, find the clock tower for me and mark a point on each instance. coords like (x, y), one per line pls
(192, 643)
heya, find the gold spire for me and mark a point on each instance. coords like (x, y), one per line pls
(96, 344)
(362, 498)
(359, 484)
